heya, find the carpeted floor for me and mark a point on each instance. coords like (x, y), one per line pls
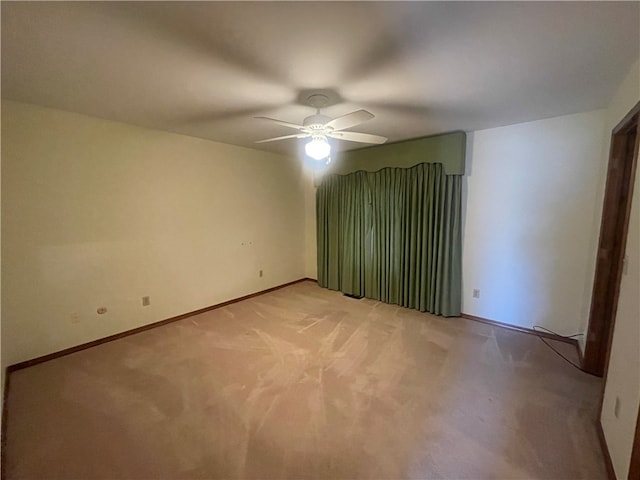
(303, 382)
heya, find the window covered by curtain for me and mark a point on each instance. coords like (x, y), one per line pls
(393, 235)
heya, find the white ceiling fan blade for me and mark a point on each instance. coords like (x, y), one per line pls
(349, 120)
(295, 135)
(358, 137)
(280, 122)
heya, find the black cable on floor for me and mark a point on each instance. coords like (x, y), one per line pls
(538, 328)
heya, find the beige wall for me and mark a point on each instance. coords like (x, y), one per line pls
(98, 214)
(623, 379)
(311, 265)
(530, 223)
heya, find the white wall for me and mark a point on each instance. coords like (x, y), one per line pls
(531, 221)
(98, 213)
(623, 378)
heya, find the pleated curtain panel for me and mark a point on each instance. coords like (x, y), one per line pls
(393, 235)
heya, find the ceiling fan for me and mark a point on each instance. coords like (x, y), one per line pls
(319, 127)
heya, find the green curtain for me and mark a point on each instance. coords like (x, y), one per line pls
(393, 235)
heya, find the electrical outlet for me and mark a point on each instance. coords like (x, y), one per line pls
(616, 408)
(146, 301)
(75, 318)
(260, 274)
(476, 293)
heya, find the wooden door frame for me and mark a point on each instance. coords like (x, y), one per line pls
(600, 330)
(609, 267)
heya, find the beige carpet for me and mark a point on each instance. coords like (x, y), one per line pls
(305, 383)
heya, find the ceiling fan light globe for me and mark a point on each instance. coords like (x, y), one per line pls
(318, 148)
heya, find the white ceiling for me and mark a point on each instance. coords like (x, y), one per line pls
(207, 68)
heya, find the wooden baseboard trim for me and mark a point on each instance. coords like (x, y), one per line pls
(133, 331)
(526, 330)
(611, 473)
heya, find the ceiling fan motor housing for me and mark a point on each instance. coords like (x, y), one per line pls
(316, 122)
